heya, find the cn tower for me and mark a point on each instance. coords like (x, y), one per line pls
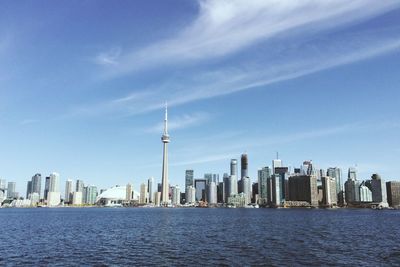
(164, 181)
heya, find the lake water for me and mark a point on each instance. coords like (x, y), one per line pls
(194, 237)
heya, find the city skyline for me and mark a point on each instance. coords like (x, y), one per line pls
(322, 87)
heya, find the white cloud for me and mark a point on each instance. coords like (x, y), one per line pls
(109, 58)
(225, 27)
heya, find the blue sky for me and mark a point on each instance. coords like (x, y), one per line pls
(83, 84)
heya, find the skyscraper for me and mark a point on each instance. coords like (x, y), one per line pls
(11, 190)
(337, 174)
(200, 185)
(275, 164)
(189, 178)
(143, 194)
(128, 193)
(352, 174)
(176, 195)
(54, 185)
(28, 189)
(79, 186)
(263, 176)
(46, 187)
(37, 183)
(233, 180)
(244, 165)
(68, 191)
(150, 194)
(164, 181)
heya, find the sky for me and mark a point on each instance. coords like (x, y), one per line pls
(83, 86)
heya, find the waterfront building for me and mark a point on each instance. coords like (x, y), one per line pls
(91, 194)
(254, 193)
(212, 193)
(37, 184)
(379, 191)
(189, 178)
(365, 193)
(276, 198)
(54, 185)
(246, 188)
(53, 198)
(304, 188)
(176, 195)
(352, 174)
(263, 175)
(276, 163)
(238, 200)
(190, 195)
(46, 187)
(28, 189)
(79, 185)
(337, 174)
(393, 194)
(68, 191)
(114, 196)
(143, 194)
(226, 187)
(244, 165)
(34, 198)
(77, 198)
(164, 181)
(3, 184)
(129, 191)
(233, 178)
(220, 192)
(11, 190)
(352, 191)
(329, 196)
(283, 173)
(157, 199)
(84, 195)
(150, 194)
(200, 185)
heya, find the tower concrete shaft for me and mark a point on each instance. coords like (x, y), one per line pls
(164, 181)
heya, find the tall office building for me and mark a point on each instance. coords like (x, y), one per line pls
(263, 175)
(79, 186)
(379, 190)
(68, 191)
(393, 194)
(246, 188)
(283, 173)
(37, 183)
(352, 174)
(276, 196)
(337, 174)
(91, 194)
(190, 195)
(234, 167)
(329, 197)
(128, 193)
(233, 178)
(54, 194)
(46, 187)
(3, 184)
(28, 189)
(150, 190)
(189, 178)
(143, 194)
(226, 187)
(304, 188)
(11, 190)
(244, 165)
(176, 195)
(200, 185)
(212, 193)
(276, 163)
(54, 185)
(164, 181)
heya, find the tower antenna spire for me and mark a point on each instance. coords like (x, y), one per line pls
(166, 118)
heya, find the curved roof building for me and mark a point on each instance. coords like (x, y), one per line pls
(114, 196)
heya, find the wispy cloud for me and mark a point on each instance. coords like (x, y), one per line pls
(181, 122)
(109, 58)
(207, 159)
(225, 27)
